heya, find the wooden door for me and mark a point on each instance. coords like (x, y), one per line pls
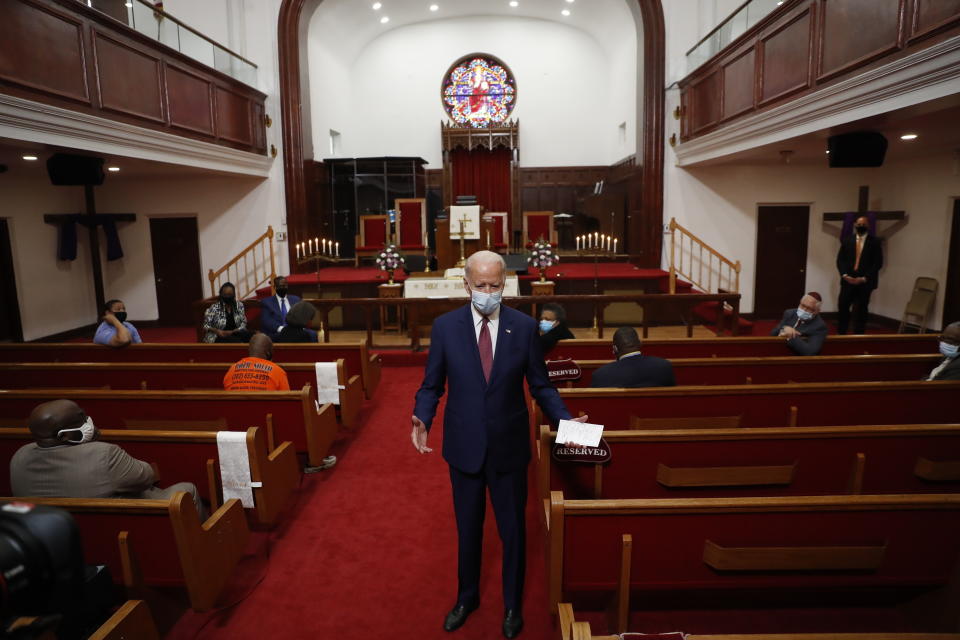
(176, 269)
(781, 276)
(10, 328)
(951, 293)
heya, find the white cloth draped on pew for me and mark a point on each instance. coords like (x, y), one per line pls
(328, 387)
(235, 467)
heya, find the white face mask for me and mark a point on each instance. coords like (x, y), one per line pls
(87, 429)
(804, 315)
(485, 303)
(949, 350)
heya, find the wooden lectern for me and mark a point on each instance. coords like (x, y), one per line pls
(448, 243)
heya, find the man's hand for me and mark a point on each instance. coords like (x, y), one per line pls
(419, 436)
(582, 418)
(789, 333)
(851, 280)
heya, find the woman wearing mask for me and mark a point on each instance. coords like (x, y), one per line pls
(225, 320)
(553, 326)
(298, 320)
(115, 331)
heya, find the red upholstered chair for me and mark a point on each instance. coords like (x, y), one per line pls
(501, 230)
(536, 225)
(411, 222)
(374, 233)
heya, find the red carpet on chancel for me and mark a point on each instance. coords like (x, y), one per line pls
(370, 547)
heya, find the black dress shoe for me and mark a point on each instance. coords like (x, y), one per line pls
(512, 623)
(457, 616)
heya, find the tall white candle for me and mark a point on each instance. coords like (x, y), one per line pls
(310, 246)
(614, 245)
(316, 244)
(338, 249)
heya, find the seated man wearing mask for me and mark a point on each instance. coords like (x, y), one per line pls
(803, 327)
(68, 460)
(115, 331)
(949, 368)
(273, 310)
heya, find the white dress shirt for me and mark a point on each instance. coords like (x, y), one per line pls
(493, 326)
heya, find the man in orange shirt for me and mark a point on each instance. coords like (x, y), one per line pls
(256, 372)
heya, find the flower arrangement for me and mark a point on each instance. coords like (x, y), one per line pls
(389, 259)
(542, 256)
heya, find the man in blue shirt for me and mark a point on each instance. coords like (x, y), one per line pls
(115, 331)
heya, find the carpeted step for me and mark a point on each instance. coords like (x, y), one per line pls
(707, 311)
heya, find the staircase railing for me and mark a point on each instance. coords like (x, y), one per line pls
(249, 269)
(700, 264)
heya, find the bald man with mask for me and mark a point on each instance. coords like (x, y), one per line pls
(68, 460)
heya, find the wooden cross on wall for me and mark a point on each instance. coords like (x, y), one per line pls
(863, 209)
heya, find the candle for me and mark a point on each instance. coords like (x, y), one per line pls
(614, 245)
(609, 243)
(310, 246)
(298, 252)
(578, 243)
(338, 249)
(316, 244)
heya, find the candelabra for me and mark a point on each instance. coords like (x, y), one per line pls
(319, 251)
(596, 245)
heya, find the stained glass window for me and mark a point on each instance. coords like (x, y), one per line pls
(479, 91)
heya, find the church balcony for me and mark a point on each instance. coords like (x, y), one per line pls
(118, 76)
(813, 64)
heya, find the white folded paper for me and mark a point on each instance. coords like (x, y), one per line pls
(235, 466)
(328, 389)
(582, 433)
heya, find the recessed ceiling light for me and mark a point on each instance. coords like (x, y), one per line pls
(29, 157)
(384, 19)
(114, 169)
(434, 7)
(376, 6)
(908, 136)
(565, 12)
(514, 4)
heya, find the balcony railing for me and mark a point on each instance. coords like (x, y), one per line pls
(749, 14)
(166, 29)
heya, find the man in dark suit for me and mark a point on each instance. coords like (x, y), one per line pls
(858, 261)
(273, 310)
(632, 369)
(803, 327)
(949, 367)
(482, 352)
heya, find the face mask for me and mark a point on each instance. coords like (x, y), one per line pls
(861, 230)
(545, 326)
(282, 292)
(121, 316)
(227, 299)
(949, 350)
(485, 303)
(87, 429)
(804, 315)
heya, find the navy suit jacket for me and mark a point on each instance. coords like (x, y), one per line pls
(270, 318)
(813, 333)
(486, 420)
(635, 372)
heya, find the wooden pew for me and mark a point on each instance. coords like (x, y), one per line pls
(572, 629)
(356, 355)
(783, 369)
(774, 405)
(160, 542)
(192, 456)
(166, 375)
(132, 621)
(291, 415)
(703, 463)
(822, 545)
(751, 346)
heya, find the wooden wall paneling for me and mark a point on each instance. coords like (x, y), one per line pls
(233, 116)
(739, 83)
(44, 50)
(931, 16)
(117, 64)
(786, 56)
(878, 26)
(189, 100)
(258, 126)
(706, 101)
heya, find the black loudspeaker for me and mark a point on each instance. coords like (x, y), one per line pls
(516, 262)
(857, 149)
(68, 170)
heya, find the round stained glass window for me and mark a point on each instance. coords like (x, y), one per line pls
(479, 91)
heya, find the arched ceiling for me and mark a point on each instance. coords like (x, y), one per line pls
(347, 26)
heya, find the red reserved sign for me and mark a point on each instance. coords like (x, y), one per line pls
(563, 370)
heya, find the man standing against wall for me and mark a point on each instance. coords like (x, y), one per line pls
(859, 262)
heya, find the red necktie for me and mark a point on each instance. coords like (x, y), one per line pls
(486, 349)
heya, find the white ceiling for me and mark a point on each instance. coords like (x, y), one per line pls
(347, 26)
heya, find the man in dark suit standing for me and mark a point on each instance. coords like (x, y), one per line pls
(859, 262)
(632, 369)
(273, 310)
(482, 352)
(949, 367)
(803, 327)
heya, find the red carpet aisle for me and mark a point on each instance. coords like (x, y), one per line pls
(372, 549)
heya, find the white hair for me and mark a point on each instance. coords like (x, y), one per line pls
(484, 257)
